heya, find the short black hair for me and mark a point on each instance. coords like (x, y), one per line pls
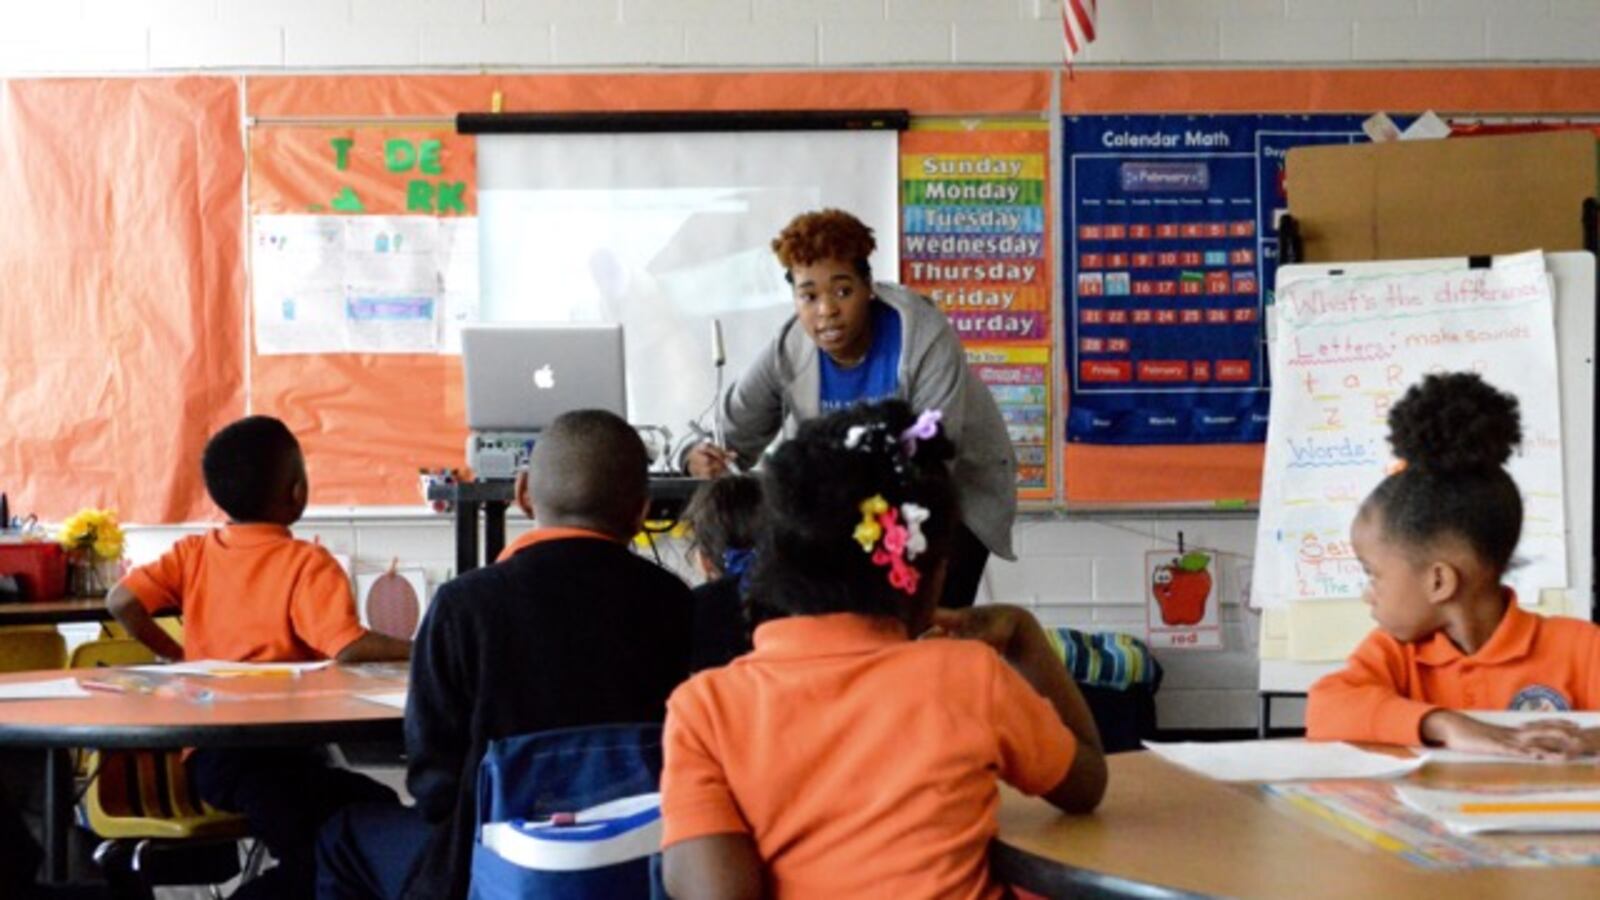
(248, 466)
(808, 561)
(725, 514)
(1454, 432)
(590, 468)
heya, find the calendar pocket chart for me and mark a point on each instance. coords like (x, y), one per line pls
(1170, 247)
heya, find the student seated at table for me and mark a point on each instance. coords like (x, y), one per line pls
(251, 592)
(843, 757)
(1435, 539)
(725, 520)
(572, 629)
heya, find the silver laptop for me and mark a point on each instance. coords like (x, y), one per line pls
(520, 377)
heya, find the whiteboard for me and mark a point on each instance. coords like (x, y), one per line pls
(1574, 274)
(664, 232)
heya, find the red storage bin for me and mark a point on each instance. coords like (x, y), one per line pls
(40, 569)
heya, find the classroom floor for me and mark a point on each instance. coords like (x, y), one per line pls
(392, 775)
(377, 763)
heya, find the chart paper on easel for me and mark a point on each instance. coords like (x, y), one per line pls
(1346, 349)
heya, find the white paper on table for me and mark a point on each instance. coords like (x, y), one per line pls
(207, 667)
(1446, 808)
(54, 689)
(393, 699)
(1282, 760)
(1508, 718)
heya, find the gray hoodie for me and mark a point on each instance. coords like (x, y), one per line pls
(782, 386)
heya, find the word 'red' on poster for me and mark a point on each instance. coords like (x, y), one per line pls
(1183, 600)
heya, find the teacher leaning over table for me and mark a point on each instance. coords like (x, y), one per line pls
(852, 340)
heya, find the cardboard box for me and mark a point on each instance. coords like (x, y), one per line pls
(1451, 197)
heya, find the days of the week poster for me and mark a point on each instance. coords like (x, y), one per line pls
(976, 240)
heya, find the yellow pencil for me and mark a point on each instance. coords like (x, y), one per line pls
(257, 673)
(1547, 806)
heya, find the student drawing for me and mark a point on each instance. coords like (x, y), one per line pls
(392, 602)
(1182, 588)
(1183, 606)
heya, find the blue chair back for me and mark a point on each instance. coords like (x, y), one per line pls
(570, 814)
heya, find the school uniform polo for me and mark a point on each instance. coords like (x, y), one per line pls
(863, 764)
(252, 593)
(1530, 663)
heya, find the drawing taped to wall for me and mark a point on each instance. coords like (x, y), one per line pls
(1182, 605)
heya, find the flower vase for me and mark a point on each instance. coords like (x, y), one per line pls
(90, 577)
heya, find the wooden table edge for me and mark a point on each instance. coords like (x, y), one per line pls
(230, 734)
(1053, 878)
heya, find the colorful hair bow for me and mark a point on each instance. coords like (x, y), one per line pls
(881, 522)
(869, 529)
(916, 542)
(926, 428)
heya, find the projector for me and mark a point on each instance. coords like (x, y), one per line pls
(497, 455)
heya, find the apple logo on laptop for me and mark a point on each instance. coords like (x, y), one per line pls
(544, 377)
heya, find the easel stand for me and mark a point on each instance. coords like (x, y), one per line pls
(1292, 250)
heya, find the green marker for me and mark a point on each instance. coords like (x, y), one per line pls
(1232, 504)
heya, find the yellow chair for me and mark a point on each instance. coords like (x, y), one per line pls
(30, 648)
(142, 804)
(111, 652)
(172, 625)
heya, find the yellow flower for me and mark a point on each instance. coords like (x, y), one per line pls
(92, 531)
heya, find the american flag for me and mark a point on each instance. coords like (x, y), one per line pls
(1077, 26)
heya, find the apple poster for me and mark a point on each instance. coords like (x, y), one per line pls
(1182, 607)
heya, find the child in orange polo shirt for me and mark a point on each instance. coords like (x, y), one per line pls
(251, 592)
(1435, 539)
(842, 757)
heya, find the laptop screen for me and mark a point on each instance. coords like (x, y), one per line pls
(520, 377)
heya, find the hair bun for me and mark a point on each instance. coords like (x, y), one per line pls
(1455, 422)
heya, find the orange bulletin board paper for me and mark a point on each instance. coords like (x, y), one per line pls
(362, 170)
(368, 421)
(121, 286)
(1100, 474)
(926, 93)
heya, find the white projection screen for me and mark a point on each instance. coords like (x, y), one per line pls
(664, 233)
